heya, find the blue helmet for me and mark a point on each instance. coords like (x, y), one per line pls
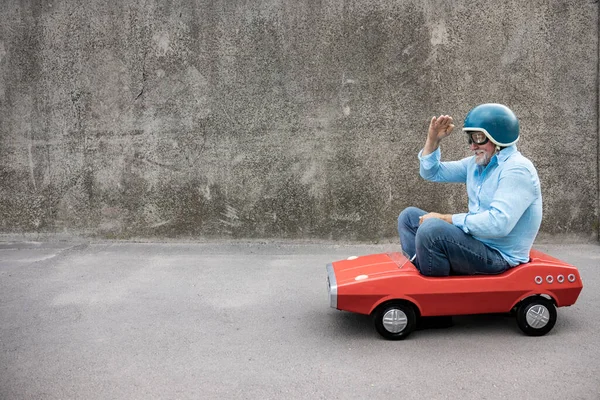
(496, 121)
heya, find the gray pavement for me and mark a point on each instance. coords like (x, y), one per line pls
(251, 320)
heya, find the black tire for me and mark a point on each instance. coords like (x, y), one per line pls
(536, 316)
(395, 320)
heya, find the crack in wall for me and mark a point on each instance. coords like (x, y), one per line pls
(144, 76)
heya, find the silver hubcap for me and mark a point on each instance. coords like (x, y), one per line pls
(537, 316)
(395, 321)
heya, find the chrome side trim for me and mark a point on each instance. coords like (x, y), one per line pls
(331, 286)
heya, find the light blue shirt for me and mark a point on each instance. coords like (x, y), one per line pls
(505, 199)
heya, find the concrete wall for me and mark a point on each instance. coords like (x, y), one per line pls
(281, 118)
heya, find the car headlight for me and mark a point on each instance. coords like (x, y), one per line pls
(331, 286)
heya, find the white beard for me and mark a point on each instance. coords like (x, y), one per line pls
(482, 158)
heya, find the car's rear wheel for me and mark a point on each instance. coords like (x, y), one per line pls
(395, 320)
(536, 316)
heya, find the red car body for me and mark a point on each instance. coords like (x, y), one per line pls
(361, 284)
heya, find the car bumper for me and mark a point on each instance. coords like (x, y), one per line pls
(331, 286)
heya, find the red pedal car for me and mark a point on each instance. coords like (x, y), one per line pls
(390, 288)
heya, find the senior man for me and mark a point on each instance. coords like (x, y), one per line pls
(505, 200)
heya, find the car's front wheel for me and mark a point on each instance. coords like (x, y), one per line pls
(536, 316)
(395, 321)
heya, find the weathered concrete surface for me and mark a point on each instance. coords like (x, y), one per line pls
(251, 321)
(280, 118)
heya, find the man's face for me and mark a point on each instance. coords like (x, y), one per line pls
(483, 152)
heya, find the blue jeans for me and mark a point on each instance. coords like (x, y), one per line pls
(442, 249)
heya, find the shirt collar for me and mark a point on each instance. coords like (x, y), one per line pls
(505, 153)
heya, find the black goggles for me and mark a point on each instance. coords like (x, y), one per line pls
(477, 137)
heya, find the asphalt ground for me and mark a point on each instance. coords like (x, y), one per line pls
(251, 320)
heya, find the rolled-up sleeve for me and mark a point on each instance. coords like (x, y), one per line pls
(459, 221)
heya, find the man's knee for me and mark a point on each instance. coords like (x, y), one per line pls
(431, 240)
(406, 214)
(433, 229)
